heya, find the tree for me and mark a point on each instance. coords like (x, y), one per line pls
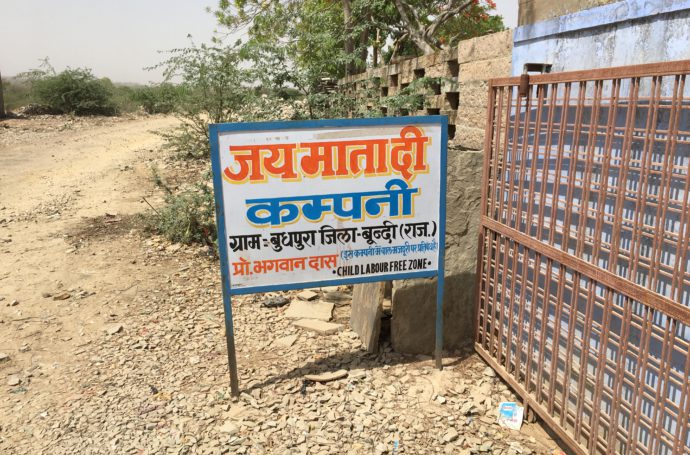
(213, 89)
(305, 45)
(347, 29)
(312, 33)
(425, 28)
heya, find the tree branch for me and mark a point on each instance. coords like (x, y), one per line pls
(444, 16)
(396, 46)
(414, 27)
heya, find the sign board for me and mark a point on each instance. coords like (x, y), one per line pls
(329, 202)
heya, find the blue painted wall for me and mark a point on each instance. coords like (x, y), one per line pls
(623, 33)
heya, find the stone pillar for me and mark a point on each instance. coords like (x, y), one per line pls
(479, 60)
(414, 301)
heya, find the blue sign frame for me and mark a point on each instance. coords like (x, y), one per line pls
(216, 129)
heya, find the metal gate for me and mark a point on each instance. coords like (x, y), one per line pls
(584, 272)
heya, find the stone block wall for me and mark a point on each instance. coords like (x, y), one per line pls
(479, 59)
(462, 96)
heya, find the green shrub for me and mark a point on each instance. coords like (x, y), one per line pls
(73, 91)
(187, 217)
(214, 88)
(124, 98)
(158, 99)
(411, 98)
(188, 141)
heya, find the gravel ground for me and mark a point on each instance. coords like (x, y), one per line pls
(125, 353)
(156, 382)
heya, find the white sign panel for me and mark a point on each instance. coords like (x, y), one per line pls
(326, 202)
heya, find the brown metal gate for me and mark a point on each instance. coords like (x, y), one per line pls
(584, 282)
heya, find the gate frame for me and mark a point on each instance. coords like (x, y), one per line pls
(606, 278)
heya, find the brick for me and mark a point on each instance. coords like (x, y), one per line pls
(406, 72)
(471, 116)
(441, 70)
(474, 93)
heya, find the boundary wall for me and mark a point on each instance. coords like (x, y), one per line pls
(462, 96)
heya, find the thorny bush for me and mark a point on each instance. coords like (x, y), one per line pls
(187, 217)
(213, 89)
(72, 91)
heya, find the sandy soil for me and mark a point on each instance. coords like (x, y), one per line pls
(68, 188)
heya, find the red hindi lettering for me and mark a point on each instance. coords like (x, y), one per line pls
(283, 153)
(408, 152)
(249, 159)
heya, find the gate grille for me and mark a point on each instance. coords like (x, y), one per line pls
(584, 283)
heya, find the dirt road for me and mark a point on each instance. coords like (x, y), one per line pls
(56, 177)
(63, 180)
(111, 341)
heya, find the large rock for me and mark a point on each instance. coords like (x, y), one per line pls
(320, 327)
(365, 317)
(414, 301)
(463, 199)
(299, 309)
(413, 327)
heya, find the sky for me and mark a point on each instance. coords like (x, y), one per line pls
(509, 10)
(115, 38)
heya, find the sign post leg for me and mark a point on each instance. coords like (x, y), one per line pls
(230, 339)
(232, 365)
(438, 351)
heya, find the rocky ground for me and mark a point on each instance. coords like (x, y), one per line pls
(112, 341)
